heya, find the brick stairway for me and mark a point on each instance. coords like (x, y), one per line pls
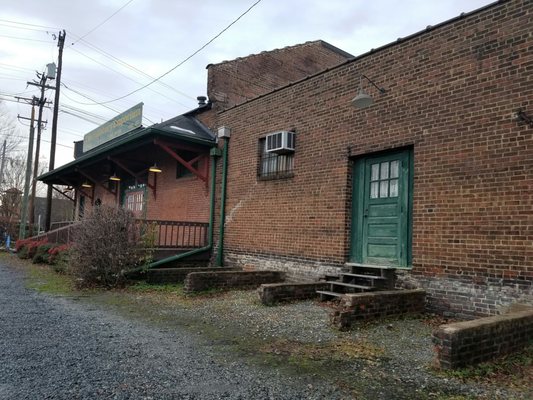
(359, 278)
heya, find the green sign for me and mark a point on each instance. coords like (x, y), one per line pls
(121, 124)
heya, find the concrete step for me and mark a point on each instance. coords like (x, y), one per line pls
(361, 276)
(327, 295)
(359, 265)
(351, 285)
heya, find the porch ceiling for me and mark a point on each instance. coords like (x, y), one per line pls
(135, 150)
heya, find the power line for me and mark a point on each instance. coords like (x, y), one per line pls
(16, 67)
(79, 116)
(132, 67)
(22, 38)
(103, 22)
(183, 61)
(23, 23)
(89, 114)
(124, 75)
(47, 141)
(23, 27)
(89, 98)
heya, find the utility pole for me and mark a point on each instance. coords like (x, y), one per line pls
(3, 163)
(60, 44)
(24, 208)
(42, 102)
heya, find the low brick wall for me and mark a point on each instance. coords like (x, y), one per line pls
(200, 281)
(272, 293)
(372, 305)
(470, 342)
(177, 275)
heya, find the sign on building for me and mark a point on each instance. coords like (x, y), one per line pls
(121, 124)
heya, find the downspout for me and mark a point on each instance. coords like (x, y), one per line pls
(176, 257)
(220, 252)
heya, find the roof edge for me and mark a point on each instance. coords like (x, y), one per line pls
(318, 41)
(398, 41)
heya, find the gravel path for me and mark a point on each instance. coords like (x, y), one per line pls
(59, 348)
(162, 345)
(381, 360)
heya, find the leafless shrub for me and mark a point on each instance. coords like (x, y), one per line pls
(105, 247)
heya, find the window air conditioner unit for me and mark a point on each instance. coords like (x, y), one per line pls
(280, 142)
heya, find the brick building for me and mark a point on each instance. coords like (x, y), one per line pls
(435, 178)
(113, 165)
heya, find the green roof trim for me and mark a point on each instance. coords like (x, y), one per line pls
(127, 141)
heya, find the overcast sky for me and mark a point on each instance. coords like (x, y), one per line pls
(149, 37)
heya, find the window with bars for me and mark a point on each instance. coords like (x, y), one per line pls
(273, 165)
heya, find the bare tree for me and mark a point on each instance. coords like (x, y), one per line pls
(11, 135)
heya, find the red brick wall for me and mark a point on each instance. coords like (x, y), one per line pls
(232, 82)
(450, 95)
(183, 199)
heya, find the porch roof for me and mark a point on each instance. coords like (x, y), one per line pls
(138, 145)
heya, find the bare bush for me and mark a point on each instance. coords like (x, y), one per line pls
(105, 247)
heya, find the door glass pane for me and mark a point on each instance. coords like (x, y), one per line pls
(384, 189)
(374, 190)
(394, 169)
(384, 170)
(393, 187)
(375, 172)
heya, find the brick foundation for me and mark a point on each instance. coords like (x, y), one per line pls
(366, 306)
(295, 269)
(273, 293)
(176, 275)
(466, 343)
(466, 297)
(200, 281)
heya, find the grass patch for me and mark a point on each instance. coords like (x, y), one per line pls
(143, 287)
(340, 350)
(513, 370)
(44, 279)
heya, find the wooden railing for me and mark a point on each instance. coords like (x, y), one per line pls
(60, 224)
(165, 234)
(62, 235)
(177, 234)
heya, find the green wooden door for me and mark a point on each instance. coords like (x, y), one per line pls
(381, 228)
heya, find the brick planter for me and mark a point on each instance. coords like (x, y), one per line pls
(366, 306)
(200, 281)
(177, 275)
(272, 293)
(470, 342)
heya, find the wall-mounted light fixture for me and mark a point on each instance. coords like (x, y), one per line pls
(155, 168)
(363, 99)
(86, 184)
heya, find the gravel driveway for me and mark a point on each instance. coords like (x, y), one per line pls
(60, 348)
(143, 343)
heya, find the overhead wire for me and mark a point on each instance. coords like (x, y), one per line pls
(124, 75)
(23, 28)
(25, 23)
(22, 38)
(183, 61)
(44, 140)
(103, 22)
(89, 98)
(16, 67)
(132, 67)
